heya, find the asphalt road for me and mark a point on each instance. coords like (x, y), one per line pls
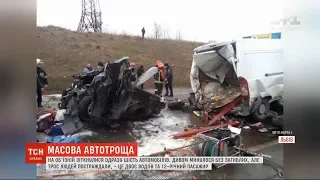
(153, 136)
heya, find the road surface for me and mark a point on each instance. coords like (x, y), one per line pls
(153, 136)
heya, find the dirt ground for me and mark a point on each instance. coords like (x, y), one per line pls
(153, 136)
(66, 53)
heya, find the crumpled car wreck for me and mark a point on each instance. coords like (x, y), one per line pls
(109, 95)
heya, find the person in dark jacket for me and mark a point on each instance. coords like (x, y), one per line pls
(134, 76)
(39, 85)
(42, 75)
(169, 76)
(140, 72)
(143, 32)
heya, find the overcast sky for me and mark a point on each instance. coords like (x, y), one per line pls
(200, 20)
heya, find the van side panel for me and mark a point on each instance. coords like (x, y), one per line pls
(256, 65)
(261, 63)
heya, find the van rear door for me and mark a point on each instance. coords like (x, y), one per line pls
(214, 59)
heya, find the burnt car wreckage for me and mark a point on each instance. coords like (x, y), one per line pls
(108, 95)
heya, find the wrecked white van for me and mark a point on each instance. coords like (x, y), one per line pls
(249, 68)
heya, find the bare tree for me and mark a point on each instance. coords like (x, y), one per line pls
(106, 29)
(125, 33)
(166, 34)
(157, 30)
(179, 35)
(114, 32)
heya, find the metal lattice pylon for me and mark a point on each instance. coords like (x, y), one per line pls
(91, 17)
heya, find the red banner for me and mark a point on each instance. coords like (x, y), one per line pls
(36, 153)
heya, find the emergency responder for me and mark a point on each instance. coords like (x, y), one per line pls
(169, 75)
(140, 72)
(42, 75)
(133, 76)
(159, 78)
(39, 86)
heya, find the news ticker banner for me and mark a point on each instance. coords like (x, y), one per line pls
(117, 156)
(144, 163)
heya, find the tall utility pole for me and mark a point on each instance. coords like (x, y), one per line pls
(91, 17)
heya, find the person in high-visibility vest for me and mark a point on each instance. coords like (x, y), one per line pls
(159, 78)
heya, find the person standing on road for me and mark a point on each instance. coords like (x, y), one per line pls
(159, 78)
(88, 69)
(39, 89)
(140, 72)
(42, 76)
(143, 32)
(169, 75)
(39, 84)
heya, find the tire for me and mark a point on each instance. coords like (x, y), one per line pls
(277, 106)
(84, 105)
(261, 113)
(157, 110)
(63, 104)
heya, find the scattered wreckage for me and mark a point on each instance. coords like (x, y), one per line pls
(247, 75)
(109, 95)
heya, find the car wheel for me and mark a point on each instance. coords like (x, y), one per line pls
(277, 106)
(85, 108)
(63, 104)
(262, 111)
